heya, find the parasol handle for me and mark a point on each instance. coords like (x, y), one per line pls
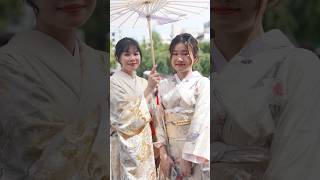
(151, 41)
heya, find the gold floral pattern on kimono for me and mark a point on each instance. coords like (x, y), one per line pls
(52, 110)
(130, 119)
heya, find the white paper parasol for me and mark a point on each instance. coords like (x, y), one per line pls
(136, 12)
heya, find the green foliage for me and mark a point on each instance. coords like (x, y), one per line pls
(10, 11)
(203, 65)
(204, 47)
(204, 59)
(298, 19)
(96, 28)
(113, 61)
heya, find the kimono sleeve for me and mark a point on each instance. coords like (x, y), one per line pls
(129, 114)
(295, 149)
(197, 146)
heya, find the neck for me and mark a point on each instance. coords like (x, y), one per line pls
(130, 73)
(67, 37)
(183, 75)
(230, 43)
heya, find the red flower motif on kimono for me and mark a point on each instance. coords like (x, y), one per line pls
(179, 177)
(278, 89)
(221, 120)
(153, 129)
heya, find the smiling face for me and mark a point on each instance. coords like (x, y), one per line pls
(237, 15)
(181, 60)
(64, 14)
(130, 59)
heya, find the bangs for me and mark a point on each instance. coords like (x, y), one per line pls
(131, 46)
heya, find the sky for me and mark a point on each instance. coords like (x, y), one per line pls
(141, 31)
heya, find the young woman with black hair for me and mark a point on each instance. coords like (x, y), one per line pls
(132, 155)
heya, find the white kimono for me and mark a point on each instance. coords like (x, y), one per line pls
(184, 122)
(52, 110)
(266, 109)
(131, 138)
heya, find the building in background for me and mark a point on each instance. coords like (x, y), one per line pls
(115, 36)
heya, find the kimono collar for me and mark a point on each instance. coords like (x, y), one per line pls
(273, 39)
(76, 52)
(133, 76)
(44, 48)
(191, 76)
(219, 61)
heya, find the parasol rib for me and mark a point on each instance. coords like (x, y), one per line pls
(127, 18)
(187, 5)
(120, 15)
(183, 10)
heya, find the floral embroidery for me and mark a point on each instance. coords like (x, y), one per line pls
(278, 89)
(221, 120)
(193, 136)
(270, 74)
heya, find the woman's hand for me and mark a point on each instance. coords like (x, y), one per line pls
(166, 162)
(153, 81)
(186, 167)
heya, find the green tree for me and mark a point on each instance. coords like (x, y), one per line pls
(113, 61)
(203, 66)
(204, 47)
(96, 28)
(10, 11)
(161, 55)
(298, 20)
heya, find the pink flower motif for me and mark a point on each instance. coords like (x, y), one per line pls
(278, 89)
(221, 120)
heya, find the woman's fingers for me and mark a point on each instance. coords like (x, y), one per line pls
(186, 168)
(156, 77)
(153, 70)
(165, 170)
(155, 74)
(166, 165)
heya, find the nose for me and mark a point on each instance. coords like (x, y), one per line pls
(132, 58)
(179, 59)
